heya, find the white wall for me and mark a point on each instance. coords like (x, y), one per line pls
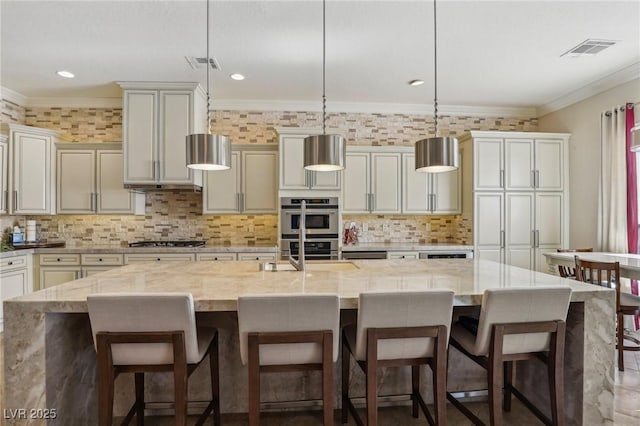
(582, 120)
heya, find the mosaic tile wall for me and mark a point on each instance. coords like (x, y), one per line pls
(11, 113)
(174, 215)
(410, 228)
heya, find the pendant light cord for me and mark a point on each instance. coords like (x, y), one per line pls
(207, 68)
(435, 70)
(324, 97)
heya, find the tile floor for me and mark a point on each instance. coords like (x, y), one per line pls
(626, 404)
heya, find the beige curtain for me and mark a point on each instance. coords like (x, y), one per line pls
(612, 200)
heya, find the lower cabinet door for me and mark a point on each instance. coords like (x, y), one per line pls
(51, 276)
(12, 284)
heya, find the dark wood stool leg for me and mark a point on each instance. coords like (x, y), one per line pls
(371, 374)
(508, 380)
(214, 366)
(556, 375)
(345, 380)
(105, 381)
(440, 377)
(620, 344)
(415, 389)
(180, 380)
(139, 384)
(494, 375)
(327, 378)
(254, 380)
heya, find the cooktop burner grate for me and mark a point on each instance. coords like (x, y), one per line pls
(182, 243)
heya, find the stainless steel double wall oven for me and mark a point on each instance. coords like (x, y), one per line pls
(323, 229)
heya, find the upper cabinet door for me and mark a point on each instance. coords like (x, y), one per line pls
(447, 197)
(549, 164)
(386, 178)
(140, 134)
(356, 183)
(111, 196)
(415, 192)
(4, 194)
(32, 191)
(292, 172)
(76, 186)
(326, 180)
(519, 168)
(221, 192)
(488, 164)
(259, 181)
(176, 118)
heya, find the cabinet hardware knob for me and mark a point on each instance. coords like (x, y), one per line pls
(215, 258)
(100, 260)
(10, 263)
(58, 260)
(158, 259)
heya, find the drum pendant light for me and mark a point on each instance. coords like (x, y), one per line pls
(437, 154)
(324, 153)
(206, 151)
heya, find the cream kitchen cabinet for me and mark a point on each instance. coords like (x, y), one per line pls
(59, 268)
(292, 172)
(157, 257)
(4, 175)
(89, 180)
(372, 181)
(403, 255)
(431, 193)
(31, 162)
(517, 161)
(15, 273)
(261, 256)
(157, 117)
(215, 257)
(249, 186)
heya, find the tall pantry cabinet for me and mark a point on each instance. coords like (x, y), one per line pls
(516, 191)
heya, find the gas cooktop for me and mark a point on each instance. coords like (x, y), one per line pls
(181, 243)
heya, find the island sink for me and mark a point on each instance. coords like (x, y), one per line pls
(310, 266)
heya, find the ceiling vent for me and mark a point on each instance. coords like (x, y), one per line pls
(199, 63)
(588, 47)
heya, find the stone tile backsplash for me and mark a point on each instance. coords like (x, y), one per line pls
(177, 215)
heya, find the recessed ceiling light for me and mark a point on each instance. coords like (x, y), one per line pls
(65, 74)
(237, 76)
(416, 82)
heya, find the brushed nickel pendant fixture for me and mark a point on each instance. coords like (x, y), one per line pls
(206, 151)
(437, 154)
(324, 153)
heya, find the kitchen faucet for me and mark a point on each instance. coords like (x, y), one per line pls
(302, 231)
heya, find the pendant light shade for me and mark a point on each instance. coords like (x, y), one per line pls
(324, 153)
(635, 138)
(434, 155)
(437, 154)
(206, 151)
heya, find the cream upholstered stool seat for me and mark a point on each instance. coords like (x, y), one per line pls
(289, 332)
(394, 329)
(607, 274)
(150, 332)
(517, 324)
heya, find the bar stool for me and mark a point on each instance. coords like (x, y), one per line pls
(399, 329)
(607, 274)
(567, 271)
(289, 332)
(516, 324)
(150, 332)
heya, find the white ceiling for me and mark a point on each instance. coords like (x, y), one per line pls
(491, 53)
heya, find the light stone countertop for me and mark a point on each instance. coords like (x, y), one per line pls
(216, 285)
(97, 249)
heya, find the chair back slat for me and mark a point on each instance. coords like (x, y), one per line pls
(568, 271)
(604, 274)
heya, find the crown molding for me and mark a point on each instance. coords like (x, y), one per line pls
(12, 96)
(380, 108)
(278, 105)
(610, 81)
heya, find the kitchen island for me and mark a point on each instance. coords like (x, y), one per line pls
(50, 360)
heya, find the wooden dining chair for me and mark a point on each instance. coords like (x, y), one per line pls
(395, 329)
(516, 324)
(607, 274)
(151, 332)
(568, 271)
